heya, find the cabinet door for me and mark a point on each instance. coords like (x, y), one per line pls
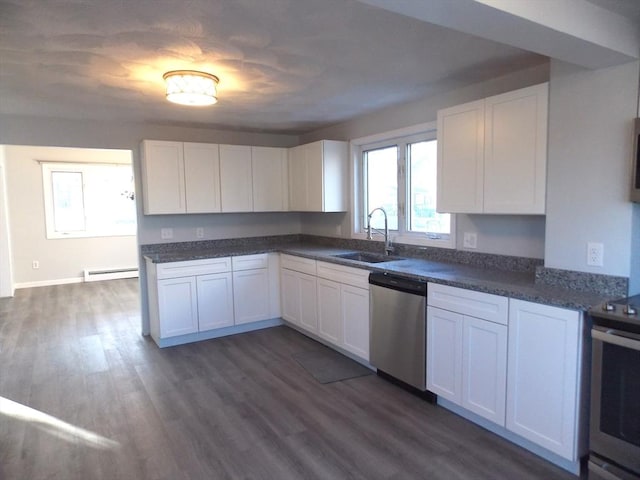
(484, 368)
(314, 181)
(236, 184)
(297, 179)
(516, 151)
(251, 295)
(308, 302)
(202, 177)
(177, 306)
(163, 188)
(461, 158)
(290, 294)
(542, 375)
(215, 301)
(270, 179)
(355, 320)
(444, 356)
(329, 311)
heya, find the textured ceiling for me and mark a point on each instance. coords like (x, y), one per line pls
(284, 65)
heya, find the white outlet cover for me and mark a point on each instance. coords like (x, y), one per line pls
(595, 254)
(166, 233)
(470, 240)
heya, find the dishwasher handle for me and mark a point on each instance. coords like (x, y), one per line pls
(402, 284)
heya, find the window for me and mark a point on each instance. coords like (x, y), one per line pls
(399, 175)
(88, 200)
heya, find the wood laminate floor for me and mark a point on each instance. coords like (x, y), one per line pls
(84, 396)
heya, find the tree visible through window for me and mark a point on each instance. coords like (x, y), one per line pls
(88, 200)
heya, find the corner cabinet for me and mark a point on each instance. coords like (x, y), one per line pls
(180, 177)
(492, 154)
(317, 177)
(543, 401)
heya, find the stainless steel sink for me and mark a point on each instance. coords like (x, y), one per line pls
(367, 257)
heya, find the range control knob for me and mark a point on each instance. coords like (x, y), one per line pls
(630, 310)
(608, 307)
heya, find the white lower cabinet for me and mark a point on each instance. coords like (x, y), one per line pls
(178, 306)
(355, 320)
(484, 368)
(215, 300)
(197, 297)
(298, 292)
(343, 307)
(329, 311)
(251, 295)
(329, 300)
(444, 353)
(544, 372)
(343, 316)
(251, 288)
(466, 352)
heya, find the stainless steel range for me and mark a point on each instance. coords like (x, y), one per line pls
(614, 450)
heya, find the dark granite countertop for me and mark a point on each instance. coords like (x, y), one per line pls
(513, 284)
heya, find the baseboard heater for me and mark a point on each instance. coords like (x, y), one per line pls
(95, 275)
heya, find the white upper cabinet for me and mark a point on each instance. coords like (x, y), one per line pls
(236, 184)
(180, 177)
(317, 177)
(492, 154)
(270, 179)
(163, 186)
(202, 177)
(461, 158)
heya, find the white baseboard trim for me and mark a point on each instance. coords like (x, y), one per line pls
(47, 283)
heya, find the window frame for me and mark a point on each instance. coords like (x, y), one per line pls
(401, 137)
(48, 168)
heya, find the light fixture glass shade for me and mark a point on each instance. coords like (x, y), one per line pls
(189, 87)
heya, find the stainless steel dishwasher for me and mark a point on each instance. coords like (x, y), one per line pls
(398, 328)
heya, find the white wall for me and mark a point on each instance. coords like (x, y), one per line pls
(591, 116)
(509, 235)
(6, 275)
(60, 259)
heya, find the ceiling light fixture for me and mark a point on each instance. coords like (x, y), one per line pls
(189, 87)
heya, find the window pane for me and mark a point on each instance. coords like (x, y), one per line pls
(68, 204)
(422, 190)
(381, 168)
(110, 200)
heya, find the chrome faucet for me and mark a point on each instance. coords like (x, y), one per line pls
(387, 243)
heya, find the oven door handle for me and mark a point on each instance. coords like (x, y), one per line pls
(616, 337)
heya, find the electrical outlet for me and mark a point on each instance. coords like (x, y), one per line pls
(35, 264)
(470, 240)
(595, 254)
(199, 232)
(166, 233)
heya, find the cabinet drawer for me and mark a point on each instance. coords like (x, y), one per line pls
(342, 274)
(193, 267)
(468, 302)
(249, 262)
(299, 264)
